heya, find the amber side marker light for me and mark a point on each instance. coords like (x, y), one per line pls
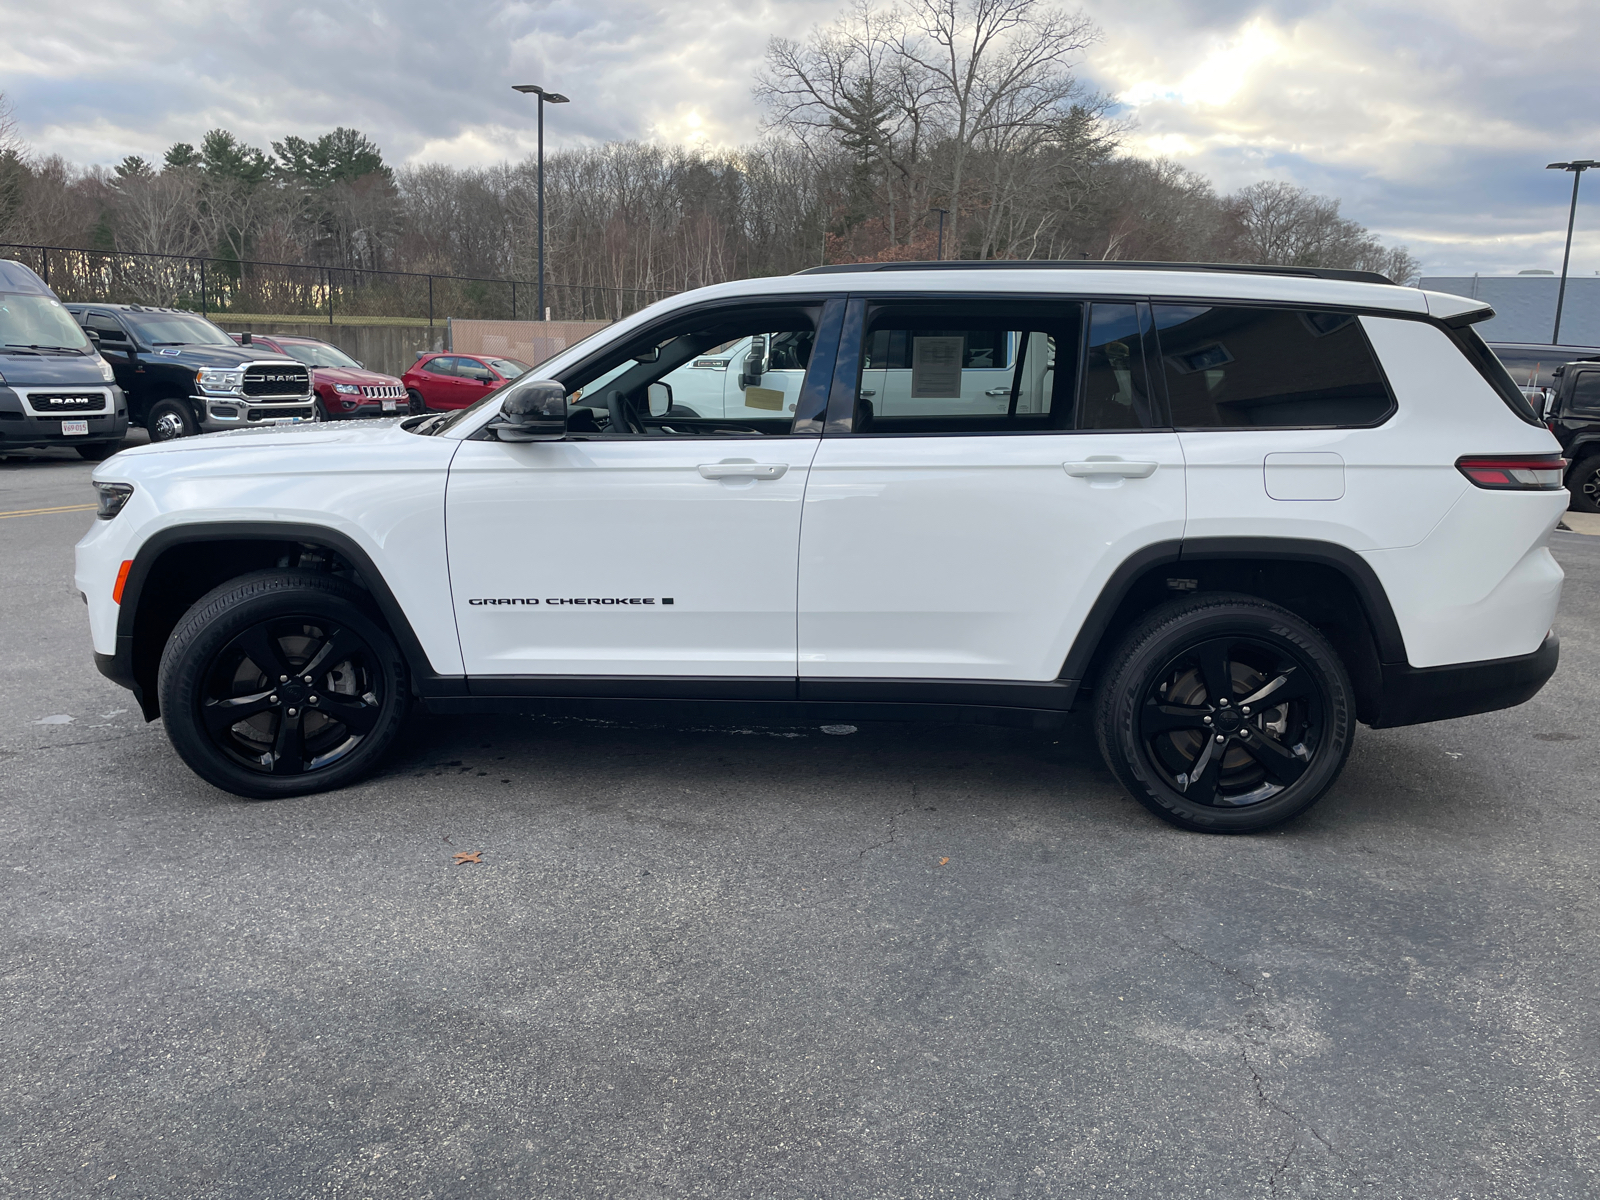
(122, 579)
(1514, 472)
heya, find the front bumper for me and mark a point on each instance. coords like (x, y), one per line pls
(238, 412)
(20, 429)
(1413, 695)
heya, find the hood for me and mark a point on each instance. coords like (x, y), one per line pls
(289, 437)
(215, 356)
(352, 375)
(34, 370)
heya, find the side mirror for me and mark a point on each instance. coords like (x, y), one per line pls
(755, 364)
(244, 338)
(534, 412)
(660, 395)
(94, 337)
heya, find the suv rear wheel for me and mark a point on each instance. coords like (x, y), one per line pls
(1225, 713)
(1584, 484)
(170, 419)
(282, 683)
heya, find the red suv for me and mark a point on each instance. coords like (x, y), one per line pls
(344, 388)
(456, 380)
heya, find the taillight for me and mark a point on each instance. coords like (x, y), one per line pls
(1514, 472)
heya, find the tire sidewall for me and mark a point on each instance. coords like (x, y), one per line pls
(1585, 470)
(1155, 644)
(220, 616)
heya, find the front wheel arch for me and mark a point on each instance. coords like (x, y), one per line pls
(177, 566)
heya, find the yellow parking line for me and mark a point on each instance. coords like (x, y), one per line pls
(39, 512)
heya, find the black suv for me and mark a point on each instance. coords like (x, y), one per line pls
(182, 375)
(1573, 415)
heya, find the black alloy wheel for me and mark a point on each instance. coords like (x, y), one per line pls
(282, 683)
(1225, 713)
(1584, 484)
(170, 419)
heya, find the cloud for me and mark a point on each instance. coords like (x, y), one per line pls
(1431, 120)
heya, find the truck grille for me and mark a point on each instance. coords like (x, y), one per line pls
(276, 379)
(48, 404)
(382, 391)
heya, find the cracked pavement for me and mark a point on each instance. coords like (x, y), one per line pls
(699, 961)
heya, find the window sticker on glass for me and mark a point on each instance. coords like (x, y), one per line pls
(760, 397)
(936, 367)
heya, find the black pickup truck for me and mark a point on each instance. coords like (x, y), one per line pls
(1572, 411)
(182, 375)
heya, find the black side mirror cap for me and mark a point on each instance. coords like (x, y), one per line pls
(535, 411)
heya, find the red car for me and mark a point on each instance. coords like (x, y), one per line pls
(450, 380)
(345, 389)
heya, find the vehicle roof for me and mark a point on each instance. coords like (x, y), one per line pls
(1545, 347)
(188, 312)
(287, 337)
(19, 278)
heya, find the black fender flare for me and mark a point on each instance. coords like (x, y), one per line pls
(119, 666)
(1362, 578)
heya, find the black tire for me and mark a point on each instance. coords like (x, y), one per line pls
(320, 410)
(1583, 481)
(98, 451)
(1177, 684)
(291, 738)
(170, 419)
(414, 402)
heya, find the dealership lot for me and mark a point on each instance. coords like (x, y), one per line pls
(725, 961)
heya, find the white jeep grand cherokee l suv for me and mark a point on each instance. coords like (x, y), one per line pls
(1234, 510)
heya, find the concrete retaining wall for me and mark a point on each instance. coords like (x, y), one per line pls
(530, 341)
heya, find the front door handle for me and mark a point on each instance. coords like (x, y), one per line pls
(742, 470)
(1096, 468)
(1003, 391)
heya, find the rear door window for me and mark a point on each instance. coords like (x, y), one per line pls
(1239, 367)
(1586, 395)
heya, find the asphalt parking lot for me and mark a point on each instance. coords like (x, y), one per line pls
(735, 962)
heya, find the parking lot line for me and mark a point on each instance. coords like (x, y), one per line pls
(39, 512)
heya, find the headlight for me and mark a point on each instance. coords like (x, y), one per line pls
(113, 496)
(347, 389)
(106, 372)
(219, 379)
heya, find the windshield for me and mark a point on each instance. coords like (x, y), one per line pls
(176, 329)
(509, 367)
(38, 323)
(318, 354)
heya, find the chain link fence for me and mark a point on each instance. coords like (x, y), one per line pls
(246, 288)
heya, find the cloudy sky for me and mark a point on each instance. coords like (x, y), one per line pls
(1431, 120)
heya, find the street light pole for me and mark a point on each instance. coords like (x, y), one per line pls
(1577, 167)
(553, 98)
(942, 214)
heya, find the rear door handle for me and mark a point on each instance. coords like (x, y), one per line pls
(1118, 467)
(743, 470)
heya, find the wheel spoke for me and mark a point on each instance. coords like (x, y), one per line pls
(336, 647)
(1161, 718)
(354, 713)
(222, 715)
(1282, 763)
(1200, 784)
(1213, 661)
(260, 646)
(1291, 685)
(288, 752)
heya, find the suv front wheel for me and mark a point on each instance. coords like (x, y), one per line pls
(1224, 713)
(282, 683)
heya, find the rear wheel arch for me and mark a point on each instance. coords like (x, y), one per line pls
(1326, 584)
(177, 566)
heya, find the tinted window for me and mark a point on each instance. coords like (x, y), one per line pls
(1586, 394)
(1116, 387)
(1232, 367)
(106, 326)
(443, 365)
(969, 367)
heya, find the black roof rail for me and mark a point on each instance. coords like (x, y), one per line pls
(1081, 264)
